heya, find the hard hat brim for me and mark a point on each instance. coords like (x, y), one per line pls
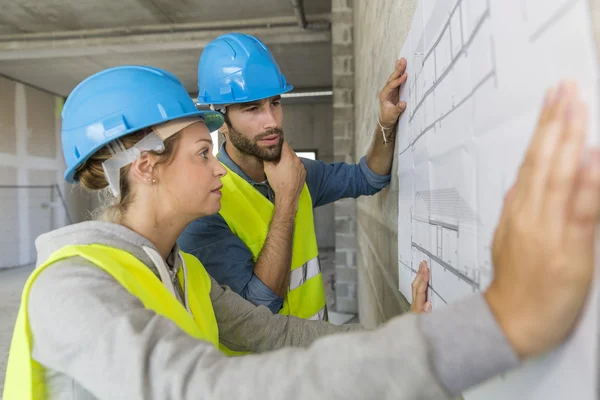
(263, 95)
(213, 120)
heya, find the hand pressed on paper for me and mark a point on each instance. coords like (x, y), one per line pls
(419, 290)
(390, 106)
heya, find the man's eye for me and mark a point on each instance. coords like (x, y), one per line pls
(275, 103)
(252, 109)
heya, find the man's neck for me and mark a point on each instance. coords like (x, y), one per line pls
(251, 165)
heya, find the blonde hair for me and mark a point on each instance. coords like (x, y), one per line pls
(91, 176)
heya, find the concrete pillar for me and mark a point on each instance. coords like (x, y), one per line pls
(343, 145)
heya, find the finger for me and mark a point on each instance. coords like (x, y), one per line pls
(543, 152)
(584, 211)
(421, 297)
(401, 106)
(399, 70)
(415, 283)
(421, 282)
(413, 287)
(550, 100)
(426, 274)
(581, 224)
(427, 307)
(395, 83)
(548, 109)
(562, 178)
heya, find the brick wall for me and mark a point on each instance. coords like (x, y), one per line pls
(343, 149)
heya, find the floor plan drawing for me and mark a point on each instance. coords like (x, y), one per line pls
(442, 65)
(477, 73)
(440, 222)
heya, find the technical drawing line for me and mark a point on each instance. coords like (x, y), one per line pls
(420, 219)
(564, 9)
(452, 227)
(493, 48)
(490, 75)
(447, 266)
(412, 269)
(446, 25)
(450, 37)
(446, 205)
(406, 265)
(462, 35)
(452, 63)
(438, 295)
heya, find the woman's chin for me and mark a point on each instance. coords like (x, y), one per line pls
(209, 207)
(216, 207)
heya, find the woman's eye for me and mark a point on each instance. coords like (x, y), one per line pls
(204, 154)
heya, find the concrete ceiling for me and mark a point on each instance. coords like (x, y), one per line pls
(54, 44)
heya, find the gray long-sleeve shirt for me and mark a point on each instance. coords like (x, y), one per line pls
(97, 341)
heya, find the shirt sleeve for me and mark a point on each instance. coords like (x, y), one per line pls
(330, 182)
(227, 259)
(88, 327)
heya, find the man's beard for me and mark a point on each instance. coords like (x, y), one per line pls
(251, 147)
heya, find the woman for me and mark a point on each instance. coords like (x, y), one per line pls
(115, 311)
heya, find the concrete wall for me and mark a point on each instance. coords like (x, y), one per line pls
(308, 126)
(342, 49)
(30, 155)
(379, 33)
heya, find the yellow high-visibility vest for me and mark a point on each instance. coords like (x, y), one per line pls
(248, 214)
(25, 377)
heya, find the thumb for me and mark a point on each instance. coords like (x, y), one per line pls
(428, 307)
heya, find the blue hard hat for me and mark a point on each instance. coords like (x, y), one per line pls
(119, 101)
(238, 68)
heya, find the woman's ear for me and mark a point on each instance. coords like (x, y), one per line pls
(142, 169)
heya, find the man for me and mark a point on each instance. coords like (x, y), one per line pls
(262, 244)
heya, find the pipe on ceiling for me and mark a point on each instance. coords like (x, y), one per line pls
(298, 6)
(299, 13)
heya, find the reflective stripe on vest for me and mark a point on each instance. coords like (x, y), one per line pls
(248, 214)
(308, 270)
(322, 314)
(25, 378)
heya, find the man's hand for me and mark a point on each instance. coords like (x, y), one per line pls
(286, 176)
(419, 290)
(390, 106)
(543, 249)
(380, 156)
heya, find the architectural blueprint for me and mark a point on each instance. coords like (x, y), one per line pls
(477, 73)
